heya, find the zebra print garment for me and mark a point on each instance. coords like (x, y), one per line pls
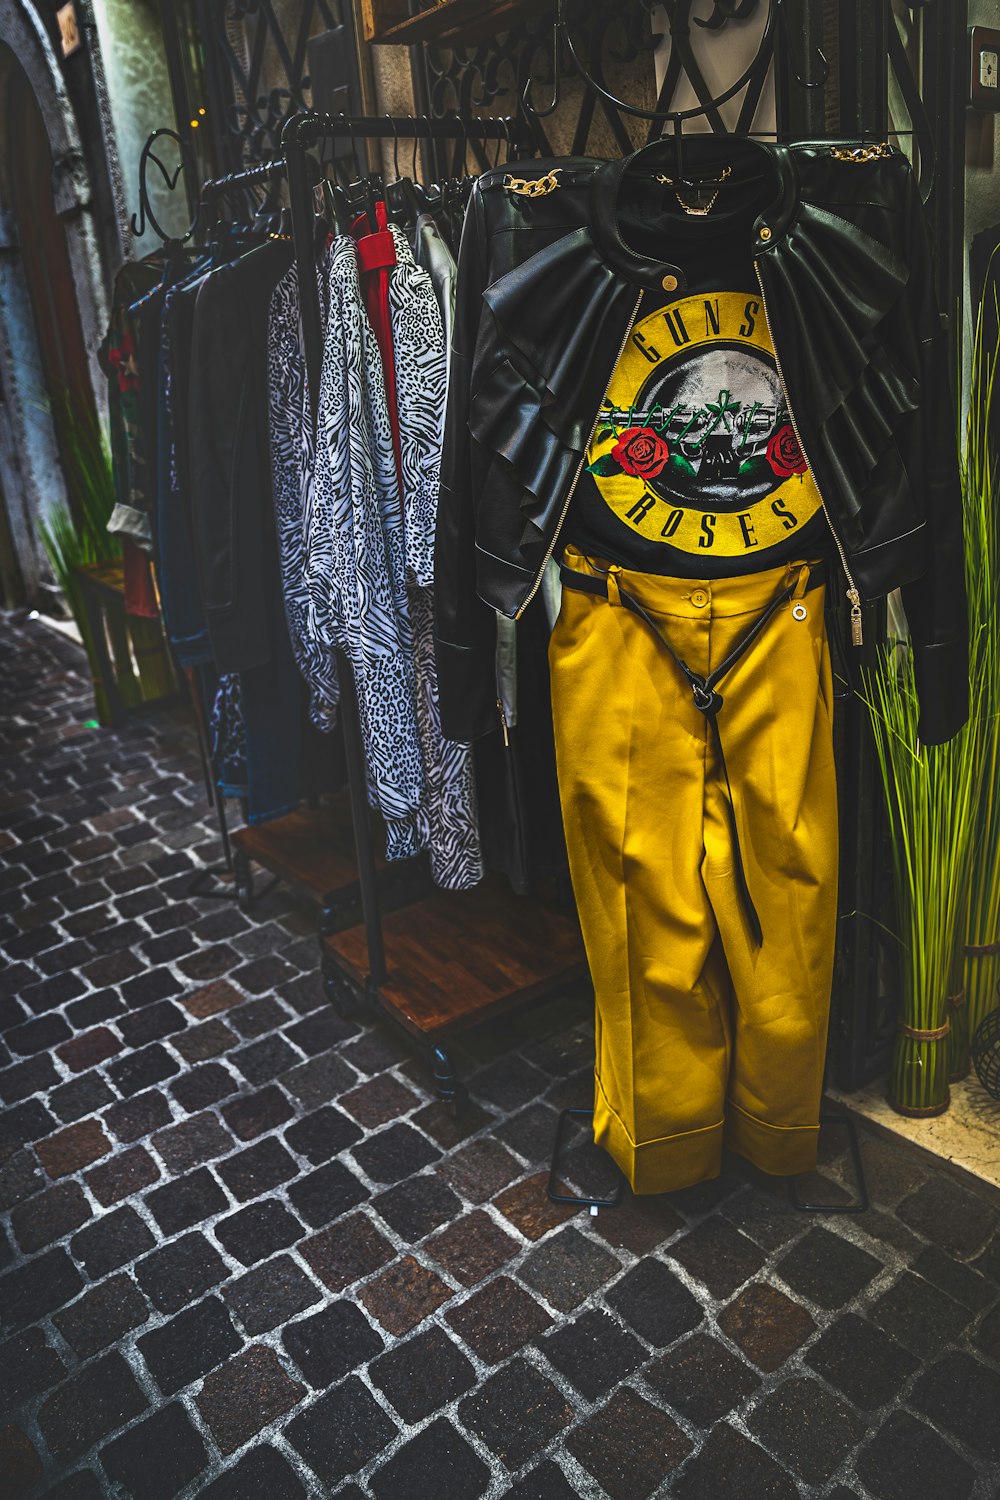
(450, 828)
(292, 461)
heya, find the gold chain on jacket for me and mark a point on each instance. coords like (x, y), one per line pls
(861, 153)
(533, 187)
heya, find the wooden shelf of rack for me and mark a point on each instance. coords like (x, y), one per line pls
(455, 959)
(312, 848)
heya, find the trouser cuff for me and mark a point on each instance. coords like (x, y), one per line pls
(663, 1165)
(781, 1150)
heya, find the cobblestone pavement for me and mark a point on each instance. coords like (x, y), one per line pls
(249, 1255)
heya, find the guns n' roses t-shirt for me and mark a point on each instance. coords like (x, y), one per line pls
(694, 469)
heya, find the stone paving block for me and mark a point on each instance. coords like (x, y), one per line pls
(655, 1303)
(138, 1116)
(319, 1080)
(20, 1465)
(516, 1413)
(961, 1395)
(859, 1359)
(375, 1050)
(529, 1209)
(987, 1262)
(402, 1296)
(547, 1482)
(20, 1177)
(195, 1140)
(331, 1343)
(396, 1152)
(629, 1446)
(252, 1114)
(471, 1248)
(322, 1134)
(422, 1374)
(567, 1267)
(767, 1325)
(730, 1464)
(906, 1458)
(963, 1282)
(101, 1398)
(987, 1335)
(271, 1294)
(262, 1472)
(152, 1023)
(257, 1170)
(23, 1124)
(508, 1084)
(327, 1193)
(189, 1345)
(88, 1050)
(480, 1169)
(826, 1269)
(255, 1017)
(38, 1287)
(320, 1031)
(701, 1379)
(75, 1147)
(81, 1096)
(211, 999)
(124, 1174)
(26, 1078)
(201, 1087)
(379, 1100)
(177, 1205)
(437, 1121)
(593, 1352)
(806, 1426)
(157, 1457)
(438, 1462)
(257, 1231)
(49, 1216)
(341, 1432)
(200, 1043)
(346, 1252)
(140, 1070)
(891, 1171)
(920, 1316)
(28, 1366)
(246, 1395)
(261, 1061)
(37, 1036)
(531, 1133)
(764, 1216)
(180, 1272)
(415, 1207)
(102, 1316)
(111, 1241)
(958, 1220)
(717, 1255)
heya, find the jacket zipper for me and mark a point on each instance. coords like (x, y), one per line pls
(579, 469)
(853, 595)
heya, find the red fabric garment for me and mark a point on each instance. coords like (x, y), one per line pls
(376, 254)
(140, 591)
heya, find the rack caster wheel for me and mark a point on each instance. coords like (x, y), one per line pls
(243, 880)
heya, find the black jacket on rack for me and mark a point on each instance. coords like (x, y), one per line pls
(547, 292)
(232, 508)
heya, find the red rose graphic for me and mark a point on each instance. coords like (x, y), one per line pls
(784, 454)
(641, 452)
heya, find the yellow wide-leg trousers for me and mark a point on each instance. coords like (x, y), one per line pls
(703, 1038)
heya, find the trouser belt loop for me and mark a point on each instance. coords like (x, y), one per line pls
(614, 596)
(802, 582)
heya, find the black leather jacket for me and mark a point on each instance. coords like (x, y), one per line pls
(547, 291)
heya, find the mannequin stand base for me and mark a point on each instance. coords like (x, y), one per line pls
(860, 1203)
(612, 1201)
(858, 1206)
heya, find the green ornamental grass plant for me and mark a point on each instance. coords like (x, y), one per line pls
(944, 808)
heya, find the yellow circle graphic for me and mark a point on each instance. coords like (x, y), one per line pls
(694, 445)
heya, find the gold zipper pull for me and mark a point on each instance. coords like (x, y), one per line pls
(503, 722)
(857, 637)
